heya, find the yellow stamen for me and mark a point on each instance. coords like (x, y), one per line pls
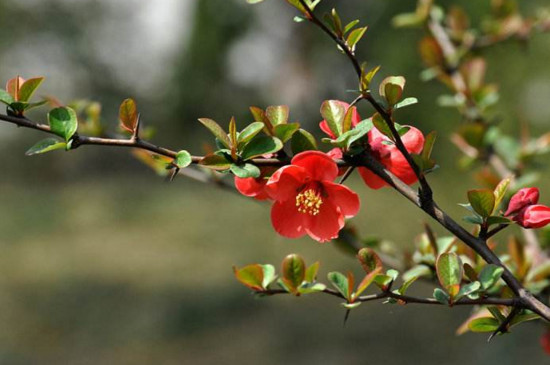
(309, 201)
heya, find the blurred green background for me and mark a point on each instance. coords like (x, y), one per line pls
(102, 262)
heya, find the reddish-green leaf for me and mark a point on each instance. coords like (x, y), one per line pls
(277, 114)
(449, 272)
(391, 88)
(27, 89)
(333, 112)
(500, 192)
(367, 280)
(293, 269)
(217, 131)
(215, 162)
(369, 260)
(484, 324)
(311, 272)
(252, 276)
(128, 115)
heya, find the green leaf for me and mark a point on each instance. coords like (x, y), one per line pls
(483, 201)
(216, 131)
(63, 122)
(340, 282)
(350, 26)
(468, 289)
(311, 272)
(28, 88)
(307, 288)
(215, 162)
(245, 171)
(441, 296)
(405, 102)
(484, 324)
(417, 271)
(302, 141)
(254, 1)
(490, 275)
(5, 97)
(348, 138)
(250, 132)
(285, 131)
(391, 89)
(46, 145)
(406, 284)
(29, 106)
(449, 272)
(261, 145)
(382, 126)
(269, 275)
(333, 112)
(500, 192)
(355, 36)
(369, 260)
(429, 142)
(183, 159)
(293, 270)
(277, 114)
(383, 281)
(523, 318)
(252, 276)
(474, 219)
(498, 220)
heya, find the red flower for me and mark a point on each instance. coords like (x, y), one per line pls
(525, 211)
(522, 199)
(253, 187)
(534, 216)
(306, 199)
(389, 156)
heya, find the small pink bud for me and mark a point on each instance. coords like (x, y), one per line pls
(522, 199)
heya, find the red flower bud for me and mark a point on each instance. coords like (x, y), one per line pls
(522, 199)
(534, 216)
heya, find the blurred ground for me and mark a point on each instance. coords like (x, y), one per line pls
(101, 262)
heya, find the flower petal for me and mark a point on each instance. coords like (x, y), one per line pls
(252, 187)
(343, 197)
(325, 226)
(318, 164)
(397, 164)
(325, 128)
(371, 179)
(284, 183)
(287, 220)
(413, 140)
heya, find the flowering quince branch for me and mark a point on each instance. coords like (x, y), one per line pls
(306, 200)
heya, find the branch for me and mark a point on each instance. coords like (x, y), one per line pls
(406, 299)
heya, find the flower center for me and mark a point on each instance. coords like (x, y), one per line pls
(309, 201)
